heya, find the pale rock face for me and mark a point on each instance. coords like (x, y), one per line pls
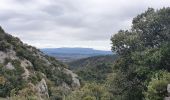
(2, 57)
(10, 55)
(167, 98)
(76, 82)
(25, 63)
(9, 66)
(65, 86)
(168, 88)
(42, 89)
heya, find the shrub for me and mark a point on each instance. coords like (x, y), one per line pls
(19, 69)
(27, 93)
(157, 88)
(4, 46)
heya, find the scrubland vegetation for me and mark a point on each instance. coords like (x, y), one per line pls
(140, 69)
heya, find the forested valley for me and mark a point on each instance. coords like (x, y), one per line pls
(139, 69)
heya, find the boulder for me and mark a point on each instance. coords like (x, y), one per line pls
(76, 82)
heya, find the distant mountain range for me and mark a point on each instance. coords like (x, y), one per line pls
(71, 54)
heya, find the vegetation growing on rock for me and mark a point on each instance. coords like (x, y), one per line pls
(140, 72)
(23, 67)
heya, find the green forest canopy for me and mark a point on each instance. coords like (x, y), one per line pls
(142, 70)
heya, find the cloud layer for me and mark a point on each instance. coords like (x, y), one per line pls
(71, 23)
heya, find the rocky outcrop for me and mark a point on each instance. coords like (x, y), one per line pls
(7, 55)
(2, 57)
(25, 63)
(42, 89)
(76, 82)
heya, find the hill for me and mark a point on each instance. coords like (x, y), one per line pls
(71, 54)
(94, 69)
(28, 74)
(92, 61)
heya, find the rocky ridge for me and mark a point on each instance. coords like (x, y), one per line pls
(21, 62)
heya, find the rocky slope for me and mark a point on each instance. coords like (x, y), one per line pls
(27, 73)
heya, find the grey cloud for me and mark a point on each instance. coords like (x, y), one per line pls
(77, 21)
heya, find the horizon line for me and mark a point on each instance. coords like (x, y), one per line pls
(74, 47)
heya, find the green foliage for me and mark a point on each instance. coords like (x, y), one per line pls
(149, 29)
(143, 51)
(43, 67)
(89, 98)
(17, 64)
(27, 93)
(35, 78)
(13, 78)
(125, 41)
(94, 69)
(92, 61)
(57, 92)
(157, 87)
(50, 70)
(142, 70)
(4, 46)
(93, 73)
(153, 26)
(90, 91)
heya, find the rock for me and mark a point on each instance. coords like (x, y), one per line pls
(65, 86)
(42, 89)
(2, 57)
(10, 55)
(76, 82)
(168, 88)
(9, 66)
(167, 98)
(25, 63)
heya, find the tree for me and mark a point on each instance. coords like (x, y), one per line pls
(143, 51)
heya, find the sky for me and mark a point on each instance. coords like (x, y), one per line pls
(71, 23)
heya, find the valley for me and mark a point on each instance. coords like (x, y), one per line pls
(137, 68)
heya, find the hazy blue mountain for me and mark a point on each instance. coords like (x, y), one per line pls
(71, 54)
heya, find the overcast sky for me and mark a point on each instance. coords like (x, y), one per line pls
(71, 23)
